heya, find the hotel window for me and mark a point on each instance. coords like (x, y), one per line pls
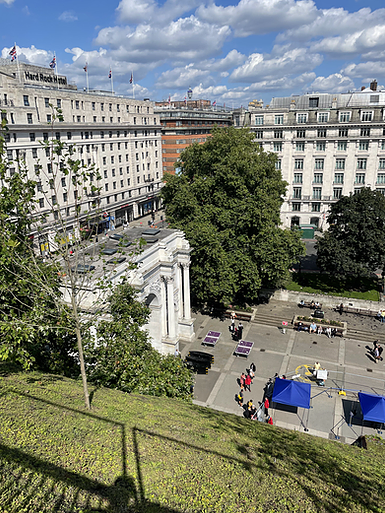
(29, 119)
(102, 106)
(77, 104)
(367, 115)
(381, 164)
(104, 161)
(110, 107)
(363, 145)
(344, 117)
(41, 202)
(296, 207)
(360, 178)
(381, 191)
(94, 118)
(316, 207)
(340, 163)
(297, 178)
(106, 187)
(31, 137)
(259, 134)
(259, 120)
(34, 153)
(342, 146)
(26, 101)
(103, 119)
(317, 191)
(278, 134)
(69, 136)
(298, 164)
(382, 145)
(343, 132)
(319, 164)
(302, 118)
(338, 178)
(323, 117)
(381, 178)
(318, 178)
(365, 132)
(320, 146)
(78, 119)
(46, 102)
(277, 146)
(321, 132)
(337, 193)
(313, 103)
(301, 134)
(278, 164)
(278, 119)
(93, 105)
(361, 163)
(105, 173)
(300, 146)
(297, 192)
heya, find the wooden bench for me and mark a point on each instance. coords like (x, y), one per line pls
(240, 316)
(358, 311)
(308, 304)
(306, 325)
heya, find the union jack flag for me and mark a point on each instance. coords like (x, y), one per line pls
(85, 67)
(214, 103)
(132, 78)
(52, 64)
(110, 74)
(12, 53)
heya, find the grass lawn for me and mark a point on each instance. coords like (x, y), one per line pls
(145, 454)
(316, 283)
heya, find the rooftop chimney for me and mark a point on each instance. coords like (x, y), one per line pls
(373, 85)
(362, 88)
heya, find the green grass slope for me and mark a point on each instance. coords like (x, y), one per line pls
(146, 454)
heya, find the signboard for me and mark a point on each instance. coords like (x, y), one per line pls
(45, 78)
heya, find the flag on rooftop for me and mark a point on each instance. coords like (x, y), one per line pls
(132, 78)
(110, 74)
(169, 99)
(52, 64)
(214, 103)
(86, 67)
(12, 53)
(185, 100)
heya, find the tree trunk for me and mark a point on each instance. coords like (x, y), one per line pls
(80, 350)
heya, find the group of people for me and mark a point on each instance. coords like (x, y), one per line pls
(377, 351)
(381, 315)
(319, 330)
(252, 411)
(236, 331)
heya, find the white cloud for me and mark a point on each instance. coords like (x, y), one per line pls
(260, 16)
(335, 22)
(365, 70)
(7, 2)
(336, 83)
(184, 40)
(68, 16)
(294, 84)
(148, 11)
(232, 59)
(32, 55)
(368, 39)
(25, 10)
(258, 66)
(181, 78)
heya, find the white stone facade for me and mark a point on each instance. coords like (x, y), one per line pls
(121, 137)
(328, 145)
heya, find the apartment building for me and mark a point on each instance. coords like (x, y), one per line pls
(328, 145)
(185, 125)
(120, 136)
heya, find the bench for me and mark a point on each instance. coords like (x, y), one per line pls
(339, 332)
(308, 304)
(358, 311)
(240, 316)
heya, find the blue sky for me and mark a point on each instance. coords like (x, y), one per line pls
(228, 51)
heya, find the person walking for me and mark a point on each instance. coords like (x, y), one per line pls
(240, 331)
(240, 398)
(376, 354)
(380, 349)
(242, 381)
(253, 367)
(248, 382)
(266, 405)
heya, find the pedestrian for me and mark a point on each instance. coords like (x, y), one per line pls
(328, 331)
(341, 308)
(240, 398)
(240, 330)
(177, 353)
(376, 354)
(383, 316)
(380, 349)
(251, 374)
(266, 405)
(248, 382)
(253, 367)
(242, 381)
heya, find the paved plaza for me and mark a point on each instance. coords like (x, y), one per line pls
(350, 365)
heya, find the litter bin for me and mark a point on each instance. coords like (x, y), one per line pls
(318, 314)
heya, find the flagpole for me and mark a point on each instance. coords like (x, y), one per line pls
(56, 71)
(17, 60)
(133, 86)
(112, 83)
(87, 83)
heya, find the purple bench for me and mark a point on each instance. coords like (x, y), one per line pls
(211, 338)
(243, 348)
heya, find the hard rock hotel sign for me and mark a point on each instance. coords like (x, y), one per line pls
(45, 78)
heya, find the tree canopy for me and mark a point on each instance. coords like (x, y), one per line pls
(354, 244)
(227, 198)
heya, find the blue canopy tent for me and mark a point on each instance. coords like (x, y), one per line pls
(373, 407)
(293, 393)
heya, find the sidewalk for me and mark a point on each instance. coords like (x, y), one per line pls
(292, 353)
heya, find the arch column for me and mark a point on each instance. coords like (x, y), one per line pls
(186, 291)
(170, 310)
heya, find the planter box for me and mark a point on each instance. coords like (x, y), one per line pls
(325, 323)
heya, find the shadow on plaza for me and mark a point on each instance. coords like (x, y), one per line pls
(278, 451)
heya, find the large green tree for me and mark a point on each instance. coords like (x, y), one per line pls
(226, 197)
(122, 357)
(354, 244)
